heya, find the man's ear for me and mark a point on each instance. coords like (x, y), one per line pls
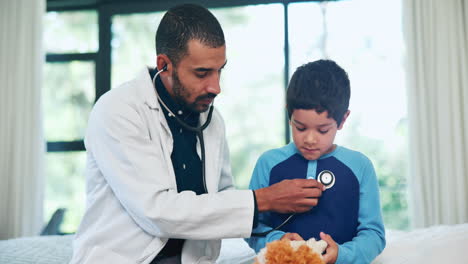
(345, 116)
(163, 62)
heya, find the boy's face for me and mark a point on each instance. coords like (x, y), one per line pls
(314, 133)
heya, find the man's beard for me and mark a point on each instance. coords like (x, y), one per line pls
(182, 94)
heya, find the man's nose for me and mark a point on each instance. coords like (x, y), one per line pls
(213, 85)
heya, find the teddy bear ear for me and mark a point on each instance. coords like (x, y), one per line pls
(317, 246)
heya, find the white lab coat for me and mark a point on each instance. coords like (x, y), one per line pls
(132, 204)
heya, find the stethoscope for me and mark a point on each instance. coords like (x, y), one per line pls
(325, 177)
(197, 130)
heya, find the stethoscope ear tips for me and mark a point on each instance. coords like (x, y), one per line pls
(159, 71)
(327, 178)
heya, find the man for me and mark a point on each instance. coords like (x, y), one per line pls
(153, 194)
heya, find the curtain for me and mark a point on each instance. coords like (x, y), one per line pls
(21, 138)
(436, 34)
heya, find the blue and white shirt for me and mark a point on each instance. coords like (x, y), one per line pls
(349, 211)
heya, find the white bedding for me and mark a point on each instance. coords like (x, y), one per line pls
(58, 250)
(37, 250)
(434, 245)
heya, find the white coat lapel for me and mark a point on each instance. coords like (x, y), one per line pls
(157, 124)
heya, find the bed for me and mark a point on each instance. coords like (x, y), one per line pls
(58, 250)
(438, 244)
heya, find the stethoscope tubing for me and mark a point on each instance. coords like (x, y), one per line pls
(197, 130)
(264, 234)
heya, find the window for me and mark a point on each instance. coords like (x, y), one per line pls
(365, 38)
(71, 42)
(252, 98)
(127, 60)
(265, 44)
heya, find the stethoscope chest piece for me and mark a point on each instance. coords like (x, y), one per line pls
(327, 178)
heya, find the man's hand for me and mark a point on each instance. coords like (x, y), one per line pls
(291, 236)
(289, 196)
(332, 249)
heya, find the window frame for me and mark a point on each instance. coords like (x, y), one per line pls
(76, 145)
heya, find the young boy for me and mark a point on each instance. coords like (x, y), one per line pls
(348, 215)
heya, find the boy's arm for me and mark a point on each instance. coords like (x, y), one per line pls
(260, 179)
(370, 239)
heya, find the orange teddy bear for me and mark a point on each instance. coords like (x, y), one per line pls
(292, 252)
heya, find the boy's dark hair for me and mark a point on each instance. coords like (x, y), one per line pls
(183, 23)
(320, 85)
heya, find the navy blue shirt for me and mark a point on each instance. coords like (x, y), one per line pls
(349, 211)
(185, 160)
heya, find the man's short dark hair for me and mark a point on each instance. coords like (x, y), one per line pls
(320, 85)
(183, 23)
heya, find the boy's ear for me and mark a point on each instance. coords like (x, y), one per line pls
(345, 116)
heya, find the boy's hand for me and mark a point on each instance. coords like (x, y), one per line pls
(289, 196)
(332, 249)
(291, 236)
